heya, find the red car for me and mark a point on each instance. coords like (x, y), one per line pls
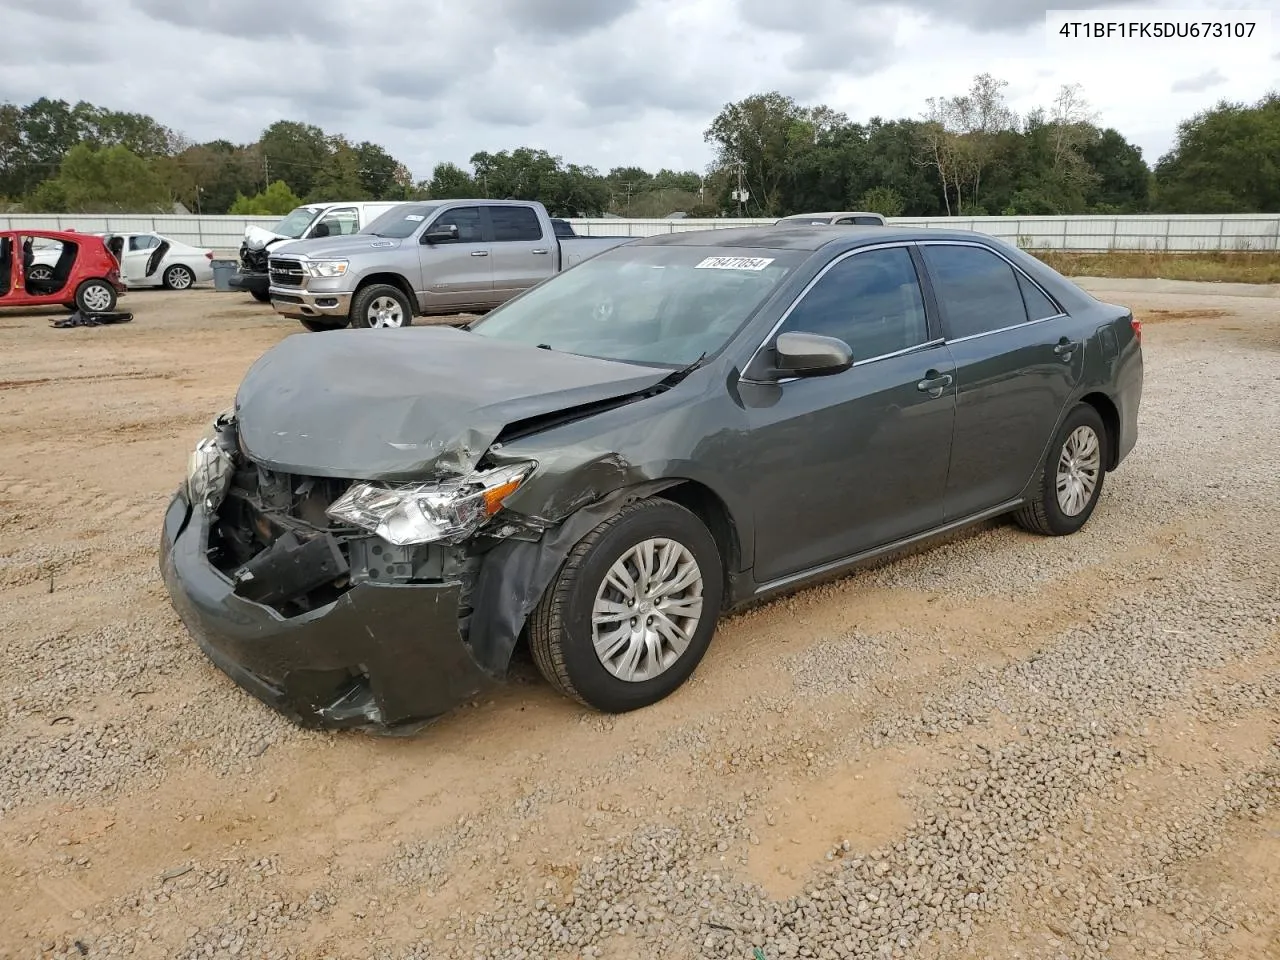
(84, 276)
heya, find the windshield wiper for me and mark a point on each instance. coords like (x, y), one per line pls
(677, 375)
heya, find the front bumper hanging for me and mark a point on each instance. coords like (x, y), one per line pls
(379, 656)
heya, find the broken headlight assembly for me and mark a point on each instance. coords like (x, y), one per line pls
(446, 511)
(210, 465)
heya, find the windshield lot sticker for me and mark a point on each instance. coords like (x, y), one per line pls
(734, 263)
(415, 217)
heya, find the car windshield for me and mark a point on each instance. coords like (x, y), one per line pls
(666, 305)
(400, 221)
(296, 222)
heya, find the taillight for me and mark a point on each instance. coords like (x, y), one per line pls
(1137, 329)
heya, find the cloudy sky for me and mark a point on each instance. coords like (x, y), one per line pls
(600, 82)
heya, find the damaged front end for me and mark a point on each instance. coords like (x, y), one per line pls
(340, 603)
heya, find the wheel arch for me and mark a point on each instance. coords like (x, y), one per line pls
(709, 507)
(1110, 414)
(390, 279)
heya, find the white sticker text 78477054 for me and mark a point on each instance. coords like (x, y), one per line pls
(734, 263)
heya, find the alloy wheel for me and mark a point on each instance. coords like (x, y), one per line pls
(1079, 466)
(647, 610)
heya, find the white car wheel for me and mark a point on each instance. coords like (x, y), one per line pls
(179, 277)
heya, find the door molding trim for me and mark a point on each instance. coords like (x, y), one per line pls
(832, 566)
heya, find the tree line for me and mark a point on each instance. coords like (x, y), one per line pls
(967, 154)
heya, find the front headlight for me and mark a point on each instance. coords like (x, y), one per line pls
(209, 467)
(327, 268)
(444, 510)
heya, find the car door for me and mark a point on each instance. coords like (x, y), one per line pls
(522, 254)
(138, 250)
(1018, 361)
(855, 460)
(456, 273)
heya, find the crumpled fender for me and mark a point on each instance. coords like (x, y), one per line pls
(516, 573)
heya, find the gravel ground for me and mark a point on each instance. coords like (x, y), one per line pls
(1006, 746)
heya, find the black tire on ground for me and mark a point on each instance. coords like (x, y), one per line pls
(179, 277)
(560, 628)
(361, 302)
(320, 326)
(1044, 514)
(95, 296)
(262, 296)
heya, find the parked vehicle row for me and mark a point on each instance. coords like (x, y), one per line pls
(613, 458)
(146, 260)
(312, 221)
(419, 259)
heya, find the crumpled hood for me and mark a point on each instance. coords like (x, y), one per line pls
(345, 246)
(259, 238)
(410, 403)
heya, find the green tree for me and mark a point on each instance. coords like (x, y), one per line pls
(1123, 179)
(450, 182)
(382, 176)
(103, 180)
(882, 200)
(762, 138)
(339, 178)
(294, 153)
(1225, 160)
(275, 201)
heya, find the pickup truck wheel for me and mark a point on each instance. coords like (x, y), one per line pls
(320, 326)
(1072, 476)
(381, 305)
(632, 610)
(262, 296)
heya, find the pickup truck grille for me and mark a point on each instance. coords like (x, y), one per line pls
(286, 273)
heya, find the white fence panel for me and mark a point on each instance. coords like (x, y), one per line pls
(1181, 233)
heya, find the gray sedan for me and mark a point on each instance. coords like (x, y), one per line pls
(609, 462)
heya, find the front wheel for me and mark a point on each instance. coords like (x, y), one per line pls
(632, 610)
(381, 306)
(179, 277)
(1073, 475)
(320, 326)
(96, 296)
(262, 296)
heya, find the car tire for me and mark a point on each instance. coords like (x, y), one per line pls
(262, 296)
(562, 628)
(95, 296)
(179, 277)
(320, 326)
(381, 300)
(1072, 477)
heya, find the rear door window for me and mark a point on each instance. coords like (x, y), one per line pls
(977, 290)
(514, 223)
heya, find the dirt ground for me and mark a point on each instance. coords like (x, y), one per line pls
(148, 807)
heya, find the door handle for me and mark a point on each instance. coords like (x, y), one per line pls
(539, 250)
(1066, 348)
(479, 253)
(934, 383)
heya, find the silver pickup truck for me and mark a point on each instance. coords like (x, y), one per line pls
(420, 259)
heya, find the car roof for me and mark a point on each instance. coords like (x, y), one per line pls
(809, 237)
(834, 213)
(50, 234)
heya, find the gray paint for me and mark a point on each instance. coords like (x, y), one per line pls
(814, 474)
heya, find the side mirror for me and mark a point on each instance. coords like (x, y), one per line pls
(810, 355)
(441, 233)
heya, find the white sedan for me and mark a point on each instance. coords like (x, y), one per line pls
(146, 260)
(152, 260)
